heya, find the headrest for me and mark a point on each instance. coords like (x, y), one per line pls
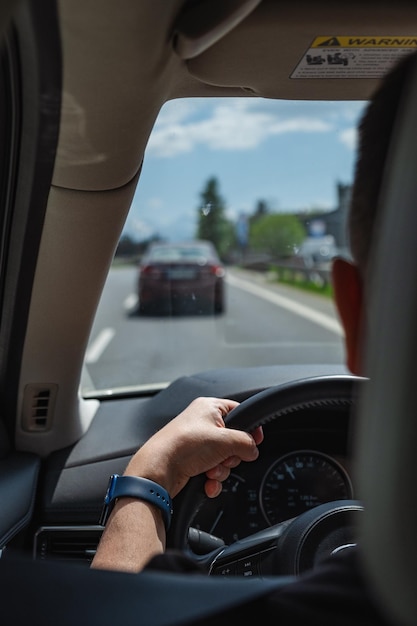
(387, 432)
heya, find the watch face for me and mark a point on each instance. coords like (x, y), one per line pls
(110, 488)
(108, 499)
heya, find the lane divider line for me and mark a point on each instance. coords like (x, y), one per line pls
(100, 343)
(323, 320)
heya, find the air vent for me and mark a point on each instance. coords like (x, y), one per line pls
(67, 543)
(38, 406)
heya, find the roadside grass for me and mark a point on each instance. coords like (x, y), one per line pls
(315, 283)
(123, 262)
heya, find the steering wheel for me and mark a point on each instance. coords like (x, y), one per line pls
(292, 546)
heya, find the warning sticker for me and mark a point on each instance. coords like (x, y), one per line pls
(352, 57)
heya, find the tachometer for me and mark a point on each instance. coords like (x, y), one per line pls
(300, 481)
(234, 514)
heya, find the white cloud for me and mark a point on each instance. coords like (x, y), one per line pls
(155, 203)
(349, 137)
(139, 228)
(158, 219)
(229, 125)
(176, 111)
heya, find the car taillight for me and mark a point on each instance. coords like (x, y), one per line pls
(151, 271)
(217, 270)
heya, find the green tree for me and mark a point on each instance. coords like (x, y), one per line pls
(277, 233)
(212, 223)
(127, 246)
(261, 209)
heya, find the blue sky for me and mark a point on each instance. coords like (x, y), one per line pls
(291, 154)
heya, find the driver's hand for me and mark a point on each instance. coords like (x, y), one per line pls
(196, 442)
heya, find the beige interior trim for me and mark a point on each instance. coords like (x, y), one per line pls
(203, 23)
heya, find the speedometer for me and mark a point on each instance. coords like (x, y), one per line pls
(235, 513)
(300, 481)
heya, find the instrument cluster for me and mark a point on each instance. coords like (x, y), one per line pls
(273, 489)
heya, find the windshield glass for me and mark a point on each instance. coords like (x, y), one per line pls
(253, 193)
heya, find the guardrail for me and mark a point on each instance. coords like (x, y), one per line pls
(294, 271)
(319, 274)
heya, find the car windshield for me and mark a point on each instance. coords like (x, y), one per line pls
(178, 253)
(267, 183)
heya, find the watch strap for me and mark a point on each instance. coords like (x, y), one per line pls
(140, 488)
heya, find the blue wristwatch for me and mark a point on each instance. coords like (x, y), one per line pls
(140, 488)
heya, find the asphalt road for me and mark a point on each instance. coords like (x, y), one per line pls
(264, 323)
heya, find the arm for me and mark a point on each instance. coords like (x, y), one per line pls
(194, 442)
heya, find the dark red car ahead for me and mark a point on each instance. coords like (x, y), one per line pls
(181, 278)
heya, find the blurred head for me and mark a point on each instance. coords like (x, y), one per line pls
(375, 133)
(350, 280)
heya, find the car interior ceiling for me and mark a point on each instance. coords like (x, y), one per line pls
(194, 63)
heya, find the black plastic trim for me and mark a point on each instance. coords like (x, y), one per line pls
(18, 478)
(35, 72)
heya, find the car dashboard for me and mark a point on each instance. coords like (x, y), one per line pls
(305, 460)
(302, 463)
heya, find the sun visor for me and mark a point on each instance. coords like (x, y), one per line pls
(303, 51)
(203, 22)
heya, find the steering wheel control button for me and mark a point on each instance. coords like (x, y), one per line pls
(228, 569)
(247, 567)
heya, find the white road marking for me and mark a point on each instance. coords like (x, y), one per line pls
(130, 302)
(99, 344)
(295, 307)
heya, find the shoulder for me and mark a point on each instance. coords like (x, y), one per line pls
(334, 592)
